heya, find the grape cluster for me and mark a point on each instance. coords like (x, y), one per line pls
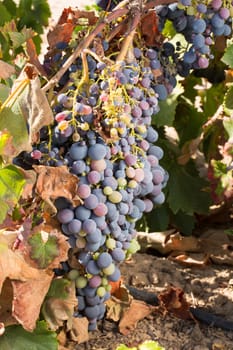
(102, 132)
(199, 23)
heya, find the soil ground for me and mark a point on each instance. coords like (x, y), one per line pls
(210, 286)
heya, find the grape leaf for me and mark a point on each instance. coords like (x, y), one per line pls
(56, 182)
(4, 92)
(137, 311)
(16, 338)
(167, 111)
(6, 70)
(11, 186)
(228, 125)
(5, 15)
(29, 284)
(124, 347)
(169, 30)
(228, 56)
(11, 119)
(44, 248)
(57, 309)
(150, 345)
(5, 143)
(186, 192)
(228, 101)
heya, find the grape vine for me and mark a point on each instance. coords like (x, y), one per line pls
(105, 86)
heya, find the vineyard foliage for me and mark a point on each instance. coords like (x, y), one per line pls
(70, 167)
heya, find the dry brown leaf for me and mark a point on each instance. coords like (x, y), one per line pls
(34, 104)
(6, 298)
(136, 312)
(69, 18)
(28, 298)
(120, 301)
(33, 57)
(190, 259)
(29, 284)
(173, 300)
(56, 182)
(30, 178)
(79, 330)
(6, 70)
(168, 241)
(58, 310)
(149, 26)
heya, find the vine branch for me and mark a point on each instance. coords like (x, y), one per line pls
(85, 43)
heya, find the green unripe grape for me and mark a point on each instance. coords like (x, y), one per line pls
(73, 275)
(132, 184)
(81, 282)
(107, 190)
(108, 288)
(101, 291)
(122, 182)
(134, 247)
(110, 243)
(104, 281)
(109, 270)
(115, 197)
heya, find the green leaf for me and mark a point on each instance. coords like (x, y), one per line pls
(5, 15)
(4, 92)
(186, 192)
(43, 250)
(169, 30)
(16, 338)
(124, 347)
(228, 126)
(228, 101)
(11, 185)
(158, 219)
(185, 223)
(228, 56)
(150, 345)
(58, 289)
(12, 120)
(167, 111)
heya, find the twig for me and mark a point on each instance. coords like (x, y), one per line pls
(84, 44)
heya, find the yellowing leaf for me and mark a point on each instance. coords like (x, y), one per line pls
(6, 70)
(56, 182)
(29, 284)
(56, 310)
(43, 250)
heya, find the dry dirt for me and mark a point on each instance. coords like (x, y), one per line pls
(210, 287)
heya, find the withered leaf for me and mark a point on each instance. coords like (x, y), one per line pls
(173, 300)
(136, 312)
(6, 70)
(33, 57)
(33, 103)
(57, 309)
(190, 259)
(79, 330)
(168, 241)
(120, 300)
(56, 182)
(29, 284)
(149, 27)
(28, 298)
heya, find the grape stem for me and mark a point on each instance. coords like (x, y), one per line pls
(84, 44)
